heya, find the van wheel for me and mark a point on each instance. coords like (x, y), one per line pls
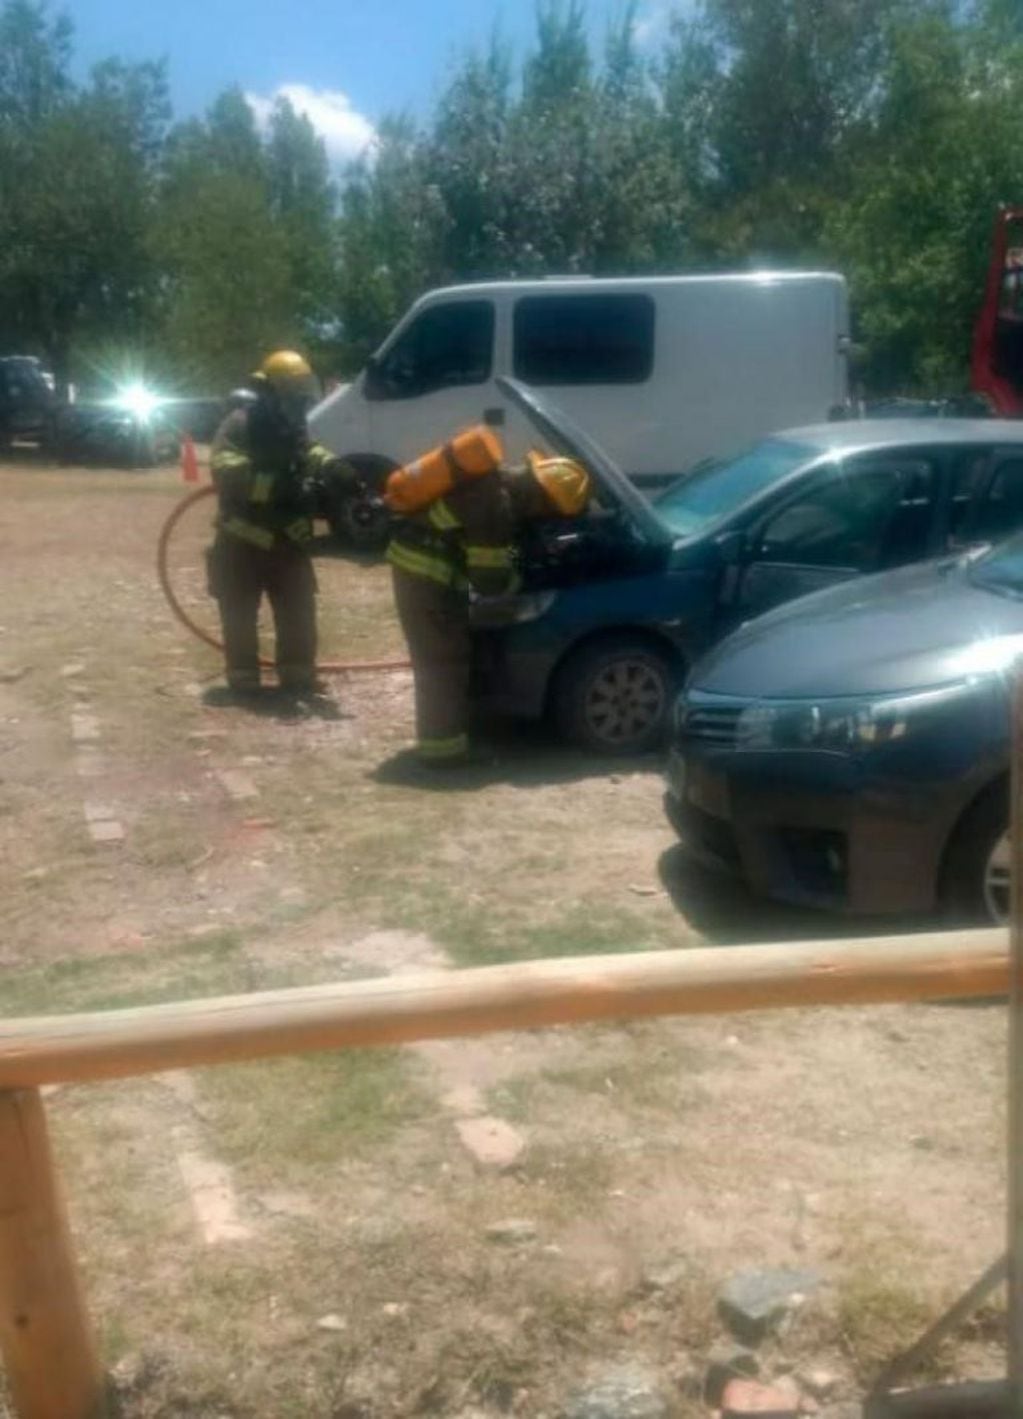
(977, 877)
(614, 697)
(361, 523)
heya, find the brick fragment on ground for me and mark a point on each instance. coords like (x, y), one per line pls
(99, 813)
(237, 785)
(493, 1143)
(743, 1397)
(84, 728)
(725, 1363)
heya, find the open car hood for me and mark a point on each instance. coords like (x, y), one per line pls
(563, 435)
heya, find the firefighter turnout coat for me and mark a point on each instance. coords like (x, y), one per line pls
(459, 541)
(263, 473)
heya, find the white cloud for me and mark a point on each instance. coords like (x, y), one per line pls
(654, 20)
(346, 132)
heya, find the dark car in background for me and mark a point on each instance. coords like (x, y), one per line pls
(124, 434)
(617, 606)
(851, 750)
(28, 404)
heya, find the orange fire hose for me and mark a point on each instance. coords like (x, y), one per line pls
(329, 667)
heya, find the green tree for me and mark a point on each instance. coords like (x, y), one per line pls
(914, 235)
(766, 104)
(76, 182)
(643, 200)
(228, 295)
(302, 204)
(392, 237)
(552, 169)
(468, 164)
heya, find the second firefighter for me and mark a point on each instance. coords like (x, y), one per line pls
(460, 509)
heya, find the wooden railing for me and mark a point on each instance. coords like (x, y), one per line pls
(52, 1366)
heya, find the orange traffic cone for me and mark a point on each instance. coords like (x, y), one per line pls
(189, 462)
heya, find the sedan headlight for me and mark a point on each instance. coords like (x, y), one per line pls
(842, 726)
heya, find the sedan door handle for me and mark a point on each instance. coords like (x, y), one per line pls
(493, 417)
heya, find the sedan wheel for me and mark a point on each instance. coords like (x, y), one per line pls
(998, 881)
(977, 873)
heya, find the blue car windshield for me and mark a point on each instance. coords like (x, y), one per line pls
(715, 489)
(1001, 569)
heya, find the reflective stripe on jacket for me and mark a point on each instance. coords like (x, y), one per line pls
(259, 470)
(461, 540)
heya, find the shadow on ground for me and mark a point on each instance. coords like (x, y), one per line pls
(723, 909)
(516, 754)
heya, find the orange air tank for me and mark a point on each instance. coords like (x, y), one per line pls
(471, 454)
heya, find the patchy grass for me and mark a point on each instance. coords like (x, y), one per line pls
(880, 1317)
(580, 1174)
(213, 965)
(281, 1117)
(654, 1078)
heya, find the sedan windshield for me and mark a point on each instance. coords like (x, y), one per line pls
(715, 489)
(1001, 570)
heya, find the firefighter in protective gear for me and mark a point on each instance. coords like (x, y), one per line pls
(269, 480)
(460, 509)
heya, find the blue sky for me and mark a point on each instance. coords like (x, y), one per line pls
(345, 62)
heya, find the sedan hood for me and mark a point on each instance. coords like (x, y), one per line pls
(902, 631)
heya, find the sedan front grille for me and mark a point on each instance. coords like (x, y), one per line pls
(707, 724)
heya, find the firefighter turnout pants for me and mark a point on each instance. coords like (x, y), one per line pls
(240, 575)
(435, 620)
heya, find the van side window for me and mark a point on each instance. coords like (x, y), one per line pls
(584, 339)
(445, 346)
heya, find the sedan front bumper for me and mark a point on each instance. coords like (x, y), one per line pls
(812, 829)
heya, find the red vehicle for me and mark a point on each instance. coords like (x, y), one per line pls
(997, 364)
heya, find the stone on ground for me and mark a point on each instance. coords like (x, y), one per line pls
(753, 1302)
(514, 1231)
(622, 1394)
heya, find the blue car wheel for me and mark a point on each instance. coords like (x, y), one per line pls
(613, 697)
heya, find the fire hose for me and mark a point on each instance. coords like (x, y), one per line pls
(329, 667)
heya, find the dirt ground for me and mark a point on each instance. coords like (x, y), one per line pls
(311, 1237)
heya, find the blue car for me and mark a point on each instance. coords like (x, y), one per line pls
(617, 606)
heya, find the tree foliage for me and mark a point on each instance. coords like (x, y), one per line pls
(872, 136)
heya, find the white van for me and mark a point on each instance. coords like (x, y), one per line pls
(662, 372)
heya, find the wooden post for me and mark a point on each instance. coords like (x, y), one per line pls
(117, 1044)
(1015, 1218)
(52, 1368)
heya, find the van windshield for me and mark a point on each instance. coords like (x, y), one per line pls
(716, 488)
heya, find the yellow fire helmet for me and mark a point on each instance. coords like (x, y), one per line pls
(565, 482)
(288, 372)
